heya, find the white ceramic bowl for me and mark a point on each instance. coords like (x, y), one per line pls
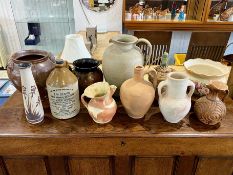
(206, 68)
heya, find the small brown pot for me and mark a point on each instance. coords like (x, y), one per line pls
(42, 64)
(88, 73)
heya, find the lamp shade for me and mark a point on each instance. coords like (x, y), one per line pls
(74, 48)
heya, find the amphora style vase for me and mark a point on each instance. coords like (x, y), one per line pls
(137, 95)
(210, 109)
(174, 102)
(102, 107)
(121, 57)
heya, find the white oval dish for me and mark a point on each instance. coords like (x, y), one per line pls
(206, 68)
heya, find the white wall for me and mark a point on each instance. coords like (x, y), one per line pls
(8, 27)
(110, 20)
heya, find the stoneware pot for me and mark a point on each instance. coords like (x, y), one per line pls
(88, 72)
(102, 107)
(62, 87)
(120, 58)
(137, 95)
(174, 102)
(210, 109)
(42, 65)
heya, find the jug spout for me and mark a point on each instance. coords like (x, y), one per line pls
(112, 89)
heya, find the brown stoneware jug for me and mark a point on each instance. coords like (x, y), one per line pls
(62, 86)
(87, 72)
(210, 109)
(137, 95)
(42, 64)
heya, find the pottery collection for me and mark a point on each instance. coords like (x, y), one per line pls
(136, 94)
(102, 107)
(87, 72)
(31, 98)
(38, 75)
(174, 102)
(62, 87)
(210, 109)
(121, 57)
(42, 65)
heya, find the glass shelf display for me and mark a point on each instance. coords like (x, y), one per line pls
(54, 20)
(221, 11)
(164, 10)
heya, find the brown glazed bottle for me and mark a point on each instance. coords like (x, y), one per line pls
(62, 87)
(42, 64)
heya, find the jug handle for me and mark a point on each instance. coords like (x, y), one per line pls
(160, 87)
(192, 85)
(143, 40)
(83, 100)
(152, 76)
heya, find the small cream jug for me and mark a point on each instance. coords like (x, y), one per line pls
(174, 102)
(121, 57)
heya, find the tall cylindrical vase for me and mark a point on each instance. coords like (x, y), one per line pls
(31, 98)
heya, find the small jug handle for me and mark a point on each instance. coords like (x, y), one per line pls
(192, 86)
(83, 100)
(148, 57)
(152, 76)
(160, 87)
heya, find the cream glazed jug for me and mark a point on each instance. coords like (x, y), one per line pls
(121, 57)
(174, 102)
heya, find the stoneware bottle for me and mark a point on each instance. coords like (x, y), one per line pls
(210, 109)
(102, 107)
(137, 95)
(121, 57)
(62, 87)
(174, 102)
(31, 97)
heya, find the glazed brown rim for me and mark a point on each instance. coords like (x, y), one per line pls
(45, 55)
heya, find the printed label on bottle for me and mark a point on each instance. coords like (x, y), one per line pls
(64, 102)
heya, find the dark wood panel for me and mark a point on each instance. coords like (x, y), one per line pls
(215, 166)
(58, 166)
(89, 166)
(185, 165)
(2, 167)
(26, 166)
(122, 165)
(152, 166)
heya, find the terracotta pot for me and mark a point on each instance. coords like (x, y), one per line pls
(174, 102)
(210, 109)
(88, 72)
(62, 86)
(102, 107)
(137, 95)
(42, 64)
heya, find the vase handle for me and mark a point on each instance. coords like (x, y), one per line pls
(160, 87)
(148, 57)
(83, 101)
(192, 86)
(152, 76)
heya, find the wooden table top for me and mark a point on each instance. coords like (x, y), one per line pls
(13, 124)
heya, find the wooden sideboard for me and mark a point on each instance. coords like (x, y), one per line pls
(125, 146)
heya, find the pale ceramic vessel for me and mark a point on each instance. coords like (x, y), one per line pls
(31, 98)
(137, 95)
(174, 102)
(63, 92)
(210, 109)
(120, 58)
(74, 48)
(102, 107)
